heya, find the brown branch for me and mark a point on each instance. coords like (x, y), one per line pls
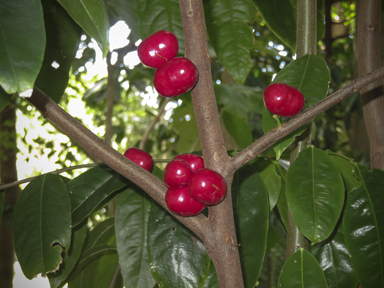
(98, 148)
(267, 140)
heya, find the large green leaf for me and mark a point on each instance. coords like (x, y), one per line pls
(131, 222)
(98, 260)
(92, 16)
(309, 74)
(126, 11)
(238, 129)
(70, 257)
(42, 225)
(335, 261)
(302, 270)
(22, 44)
(63, 37)
(252, 210)
(346, 167)
(364, 227)
(155, 15)
(269, 122)
(280, 18)
(177, 257)
(315, 192)
(230, 34)
(91, 188)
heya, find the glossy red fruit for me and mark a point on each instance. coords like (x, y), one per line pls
(283, 100)
(175, 77)
(179, 202)
(158, 48)
(177, 173)
(140, 157)
(195, 161)
(207, 186)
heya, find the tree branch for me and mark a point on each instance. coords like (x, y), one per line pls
(267, 140)
(98, 148)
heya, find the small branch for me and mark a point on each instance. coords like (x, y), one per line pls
(115, 277)
(97, 147)
(276, 134)
(154, 121)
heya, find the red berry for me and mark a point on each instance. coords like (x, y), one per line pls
(177, 173)
(207, 186)
(175, 77)
(158, 48)
(283, 100)
(179, 202)
(195, 161)
(140, 157)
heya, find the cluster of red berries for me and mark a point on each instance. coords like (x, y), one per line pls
(174, 75)
(191, 187)
(283, 100)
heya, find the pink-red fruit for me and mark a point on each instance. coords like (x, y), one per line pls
(283, 100)
(140, 157)
(195, 161)
(179, 202)
(207, 186)
(175, 77)
(177, 173)
(158, 48)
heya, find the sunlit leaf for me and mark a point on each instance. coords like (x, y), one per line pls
(92, 16)
(20, 64)
(42, 225)
(228, 25)
(315, 192)
(364, 227)
(302, 270)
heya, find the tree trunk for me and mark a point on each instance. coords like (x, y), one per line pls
(369, 59)
(8, 173)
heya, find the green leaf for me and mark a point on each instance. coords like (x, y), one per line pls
(238, 129)
(239, 100)
(310, 74)
(5, 98)
(42, 225)
(315, 191)
(335, 261)
(230, 34)
(252, 210)
(63, 37)
(20, 64)
(302, 270)
(131, 222)
(155, 15)
(177, 257)
(70, 257)
(279, 146)
(92, 16)
(280, 18)
(91, 188)
(98, 260)
(346, 166)
(212, 281)
(184, 120)
(364, 227)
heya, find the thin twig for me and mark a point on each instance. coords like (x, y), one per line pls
(115, 277)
